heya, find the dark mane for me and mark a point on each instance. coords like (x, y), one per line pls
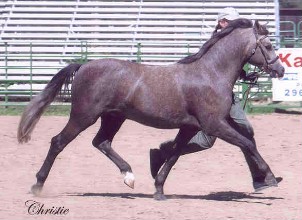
(238, 23)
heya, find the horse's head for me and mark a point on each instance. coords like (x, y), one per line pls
(263, 54)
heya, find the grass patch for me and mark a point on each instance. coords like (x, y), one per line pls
(64, 110)
(277, 107)
(261, 110)
(59, 110)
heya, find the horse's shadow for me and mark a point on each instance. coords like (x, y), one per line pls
(215, 196)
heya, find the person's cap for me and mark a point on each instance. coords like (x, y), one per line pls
(228, 13)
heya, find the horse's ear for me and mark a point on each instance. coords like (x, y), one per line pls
(261, 29)
(257, 25)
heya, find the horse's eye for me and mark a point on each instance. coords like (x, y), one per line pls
(269, 47)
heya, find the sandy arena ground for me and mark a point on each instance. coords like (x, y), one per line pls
(213, 184)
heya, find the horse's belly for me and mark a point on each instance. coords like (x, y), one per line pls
(166, 122)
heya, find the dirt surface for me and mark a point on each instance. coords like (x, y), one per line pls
(213, 184)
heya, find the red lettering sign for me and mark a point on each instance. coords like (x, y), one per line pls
(298, 62)
(284, 59)
(289, 60)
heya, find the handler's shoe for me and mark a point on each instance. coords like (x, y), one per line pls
(156, 161)
(258, 186)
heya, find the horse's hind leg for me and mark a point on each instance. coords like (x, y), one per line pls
(58, 143)
(102, 141)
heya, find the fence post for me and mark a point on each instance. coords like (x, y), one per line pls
(188, 49)
(6, 75)
(138, 53)
(84, 52)
(31, 69)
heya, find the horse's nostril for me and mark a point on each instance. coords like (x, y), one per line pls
(282, 69)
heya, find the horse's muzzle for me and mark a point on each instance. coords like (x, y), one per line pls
(275, 69)
(277, 73)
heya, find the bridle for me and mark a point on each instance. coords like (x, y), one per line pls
(261, 47)
(267, 64)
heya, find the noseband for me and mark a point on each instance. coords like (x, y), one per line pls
(261, 47)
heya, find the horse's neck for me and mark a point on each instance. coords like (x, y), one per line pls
(224, 59)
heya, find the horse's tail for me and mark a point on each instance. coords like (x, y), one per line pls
(37, 106)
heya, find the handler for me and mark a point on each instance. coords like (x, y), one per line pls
(202, 141)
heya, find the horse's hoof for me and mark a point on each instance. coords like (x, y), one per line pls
(279, 179)
(258, 186)
(159, 197)
(129, 179)
(36, 189)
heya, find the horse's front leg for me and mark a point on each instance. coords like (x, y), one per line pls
(182, 138)
(262, 175)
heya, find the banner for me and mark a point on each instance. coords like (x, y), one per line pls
(289, 88)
